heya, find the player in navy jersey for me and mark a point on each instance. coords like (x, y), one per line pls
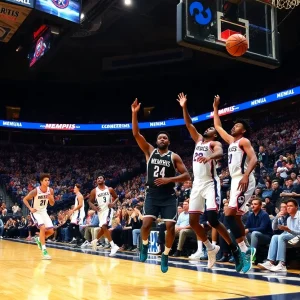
(160, 194)
(40, 197)
(241, 163)
(206, 186)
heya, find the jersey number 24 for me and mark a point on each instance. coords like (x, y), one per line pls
(158, 171)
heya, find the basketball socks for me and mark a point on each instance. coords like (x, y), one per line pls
(43, 247)
(200, 246)
(208, 245)
(145, 242)
(214, 243)
(243, 247)
(112, 243)
(167, 251)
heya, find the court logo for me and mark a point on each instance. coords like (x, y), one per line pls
(61, 3)
(202, 16)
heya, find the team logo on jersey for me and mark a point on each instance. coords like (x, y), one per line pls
(202, 148)
(61, 3)
(241, 199)
(232, 149)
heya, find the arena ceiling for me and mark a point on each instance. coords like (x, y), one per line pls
(144, 27)
(106, 95)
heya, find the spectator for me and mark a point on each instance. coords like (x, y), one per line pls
(258, 228)
(277, 249)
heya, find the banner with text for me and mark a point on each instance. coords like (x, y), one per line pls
(158, 124)
(11, 18)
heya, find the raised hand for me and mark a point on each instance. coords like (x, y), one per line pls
(216, 101)
(135, 106)
(182, 98)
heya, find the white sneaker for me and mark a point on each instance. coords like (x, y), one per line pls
(266, 265)
(196, 255)
(279, 268)
(84, 245)
(94, 244)
(114, 250)
(212, 256)
(294, 240)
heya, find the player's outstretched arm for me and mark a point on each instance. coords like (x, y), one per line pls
(217, 122)
(143, 144)
(196, 136)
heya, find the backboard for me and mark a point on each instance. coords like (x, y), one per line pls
(205, 25)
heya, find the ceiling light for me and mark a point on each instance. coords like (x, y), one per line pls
(127, 2)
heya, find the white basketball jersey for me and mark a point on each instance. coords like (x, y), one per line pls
(40, 201)
(237, 159)
(103, 197)
(203, 171)
(81, 212)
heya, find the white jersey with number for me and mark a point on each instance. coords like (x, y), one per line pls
(237, 159)
(40, 201)
(203, 171)
(103, 197)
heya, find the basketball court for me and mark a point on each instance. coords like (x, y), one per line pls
(85, 274)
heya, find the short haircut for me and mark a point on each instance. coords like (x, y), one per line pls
(292, 200)
(246, 126)
(164, 132)
(43, 176)
(78, 185)
(101, 175)
(257, 199)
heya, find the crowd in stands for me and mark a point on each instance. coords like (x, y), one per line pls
(277, 174)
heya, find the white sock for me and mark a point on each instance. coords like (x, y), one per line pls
(200, 246)
(167, 251)
(214, 243)
(208, 245)
(112, 243)
(43, 247)
(145, 242)
(243, 247)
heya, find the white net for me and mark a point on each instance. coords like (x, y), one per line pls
(285, 4)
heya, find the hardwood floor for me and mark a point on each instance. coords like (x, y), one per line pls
(80, 275)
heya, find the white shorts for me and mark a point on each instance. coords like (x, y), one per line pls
(205, 192)
(77, 218)
(238, 199)
(105, 217)
(40, 218)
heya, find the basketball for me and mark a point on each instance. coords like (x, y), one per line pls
(236, 45)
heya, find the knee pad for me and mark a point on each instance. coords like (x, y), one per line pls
(233, 226)
(212, 217)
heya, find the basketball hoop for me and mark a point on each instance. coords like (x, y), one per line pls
(285, 4)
